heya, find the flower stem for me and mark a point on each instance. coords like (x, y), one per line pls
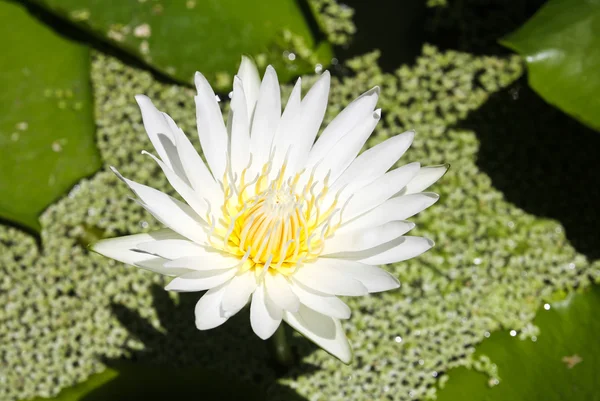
(280, 348)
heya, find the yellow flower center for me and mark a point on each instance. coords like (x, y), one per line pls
(274, 224)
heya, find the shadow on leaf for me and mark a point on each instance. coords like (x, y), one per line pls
(542, 160)
(228, 362)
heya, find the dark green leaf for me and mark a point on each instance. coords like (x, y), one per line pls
(47, 124)
(562, 364)
(180, 37)
(561, 45)
(138, 382)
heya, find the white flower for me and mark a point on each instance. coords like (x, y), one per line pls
(274, 216)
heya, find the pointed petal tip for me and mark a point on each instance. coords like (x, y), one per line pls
(139, 98)
(377, 114)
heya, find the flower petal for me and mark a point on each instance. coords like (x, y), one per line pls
(426, 177)
(373, 278)
(326, 304)
(160, 134)
(123, 250)
(200, 280)
(238, 292)
(239, 129)
(208, 309)
(265, 317)
(171, 248)
(280, 292)
(199, 205)
(199, 176)
(324, 331)
(380, 190)
(396, 208)
(286, 129)
(357, 240)
(172, 213)
(211, 129)
(398, 250)
(266, 118)
(303, 130)
(373, 163)
(345, 150)
(251, 82)
(343, 123)
(211, 259)
(323, 276)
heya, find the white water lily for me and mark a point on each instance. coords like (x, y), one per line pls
(274, 217)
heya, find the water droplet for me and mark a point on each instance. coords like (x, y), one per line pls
(144, 224)
(547, 306)
(533, 338)
(56, 146)
(318, 68)
(291, 56)
(487, 334)
(477, 261)
(421, 362)
(571, 266)
(398, 339)
(513, 333)
(434, 374)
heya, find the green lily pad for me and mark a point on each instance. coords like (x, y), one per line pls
(561, 364)
(560, 44)
(47, 124)
(138, 382)
(180, 37)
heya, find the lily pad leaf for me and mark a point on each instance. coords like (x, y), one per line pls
(180, 37)
(560, 44)
(144, 382)
(47, 124)
(561, 364)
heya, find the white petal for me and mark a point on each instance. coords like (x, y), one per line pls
(303, 131)
(345, 150)
(373, 163)
(251, 81)
(197, 173)
(265, 317)
(211, 129)
(286, 128)
(397, 208)
(343, 123)
(380, 190)
(171, 248)
(324, 331)
(160, 134)
(358, 240)
(187, 193)
(123, 250)
(403, 248)
(372, 277)
(208, 309)
(323, 276)
(240, 129)
(200, 280)
(172, 213)
(280, 292)
(426, 177)
(266, 118)
(326, 304)
(210, 259)
(238, 292)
